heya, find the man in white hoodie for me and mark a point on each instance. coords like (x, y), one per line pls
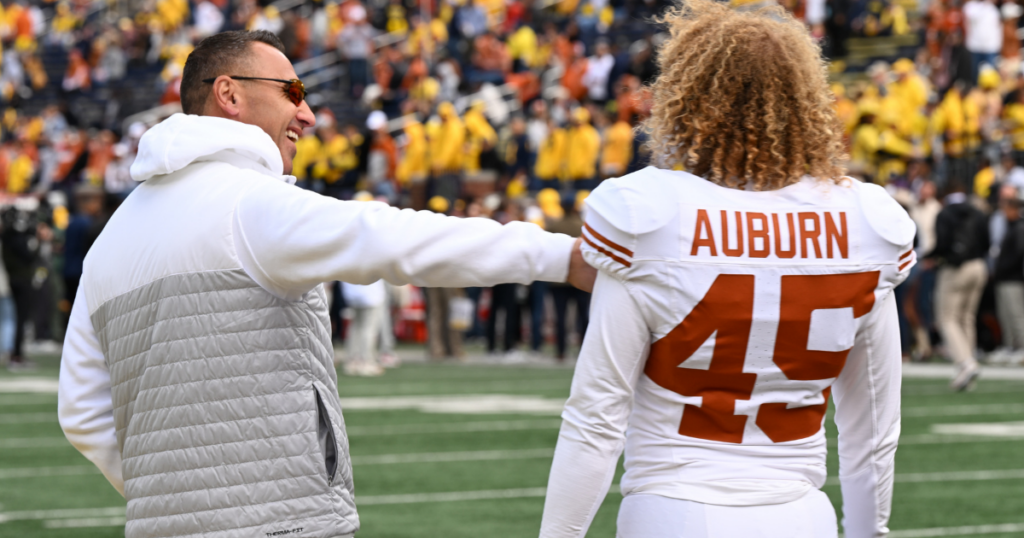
(198, 370)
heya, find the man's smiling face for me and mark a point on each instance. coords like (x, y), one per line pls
(266, 105)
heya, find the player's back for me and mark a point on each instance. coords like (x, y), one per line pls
(753, 301)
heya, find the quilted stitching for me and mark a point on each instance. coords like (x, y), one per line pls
(199, 335)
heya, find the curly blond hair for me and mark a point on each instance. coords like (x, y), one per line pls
(743, 99)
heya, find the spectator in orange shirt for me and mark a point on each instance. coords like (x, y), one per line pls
(572, 80)
(101, 152)
(490, 59)
(76, 78)
(560, 44)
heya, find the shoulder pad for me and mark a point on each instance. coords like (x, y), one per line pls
(637, 203)
(621, 210)
(885, 216)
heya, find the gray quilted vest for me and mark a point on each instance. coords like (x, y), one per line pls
(227, 411)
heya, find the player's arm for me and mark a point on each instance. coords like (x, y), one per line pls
(595, 417)
(867, 398)
(85, 407)
(290, 240)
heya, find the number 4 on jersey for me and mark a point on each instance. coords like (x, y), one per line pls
(727, 312)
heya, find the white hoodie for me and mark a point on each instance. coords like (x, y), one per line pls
(209, 176)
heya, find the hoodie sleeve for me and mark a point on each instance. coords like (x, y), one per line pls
(290, 240)
(85, 407)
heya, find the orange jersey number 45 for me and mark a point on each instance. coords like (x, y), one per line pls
(728, 308)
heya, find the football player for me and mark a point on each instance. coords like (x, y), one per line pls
(733, 300)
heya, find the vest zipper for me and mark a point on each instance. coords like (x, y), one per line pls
(325, 437)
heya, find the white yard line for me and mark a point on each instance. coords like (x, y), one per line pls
(38, 472)
(456, 427)
(961, 410)
(113, 511)
(954, 476)
(971, 530)
(28, 399)
(84, 522)
(42, 385)
(460, 404)
(934, 439)
(1003, 388)
(34, 442)
(27, 418)
(451, 496)
(440, 457)
(947, 371)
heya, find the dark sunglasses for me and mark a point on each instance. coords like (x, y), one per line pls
(294, 89)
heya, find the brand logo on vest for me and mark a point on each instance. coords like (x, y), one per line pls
(282, 533)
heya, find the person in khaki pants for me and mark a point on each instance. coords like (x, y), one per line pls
(961, 241)
(1008, 274)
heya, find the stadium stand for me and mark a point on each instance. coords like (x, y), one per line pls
(508, 110)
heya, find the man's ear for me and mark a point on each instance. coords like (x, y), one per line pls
(227, 96)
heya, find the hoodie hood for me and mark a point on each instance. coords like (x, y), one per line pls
(183, 139)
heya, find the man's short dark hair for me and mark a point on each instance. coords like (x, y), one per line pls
(219, 54)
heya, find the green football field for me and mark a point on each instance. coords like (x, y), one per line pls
(463, 450)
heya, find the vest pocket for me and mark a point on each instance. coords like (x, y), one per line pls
(326, 438)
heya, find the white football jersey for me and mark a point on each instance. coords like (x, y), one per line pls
(721, 322)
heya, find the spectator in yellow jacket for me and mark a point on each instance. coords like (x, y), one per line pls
(480, 136)
(909, 87)
(414, 165)
(1013, 119)
(949, 120)
(551, 156)
(522, 48)
(337, 156)
(307, 152)
(984, 179)
(864, 144)
(426, 37)
(893, 149)
(415, 162)
(846, 109)
(584, 145)
(907, 95)
(22, 168)
(616, 146)
(989, 102)
(447, 151)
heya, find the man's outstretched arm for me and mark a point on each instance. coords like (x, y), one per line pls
(290, 240)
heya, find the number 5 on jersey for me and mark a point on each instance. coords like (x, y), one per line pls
(728, 308)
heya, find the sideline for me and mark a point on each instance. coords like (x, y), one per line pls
(524, 425)
(912, 370)
(505, 404)
(529, 453)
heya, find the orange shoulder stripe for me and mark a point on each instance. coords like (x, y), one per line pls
(606, 252)
(605, 240)
(905, 254)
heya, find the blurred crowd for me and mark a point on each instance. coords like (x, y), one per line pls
(511, 110)
(475, 106)
(944, 132)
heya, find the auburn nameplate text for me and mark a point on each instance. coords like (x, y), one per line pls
(800, 234)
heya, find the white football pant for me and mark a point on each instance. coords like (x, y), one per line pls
(654, 516)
